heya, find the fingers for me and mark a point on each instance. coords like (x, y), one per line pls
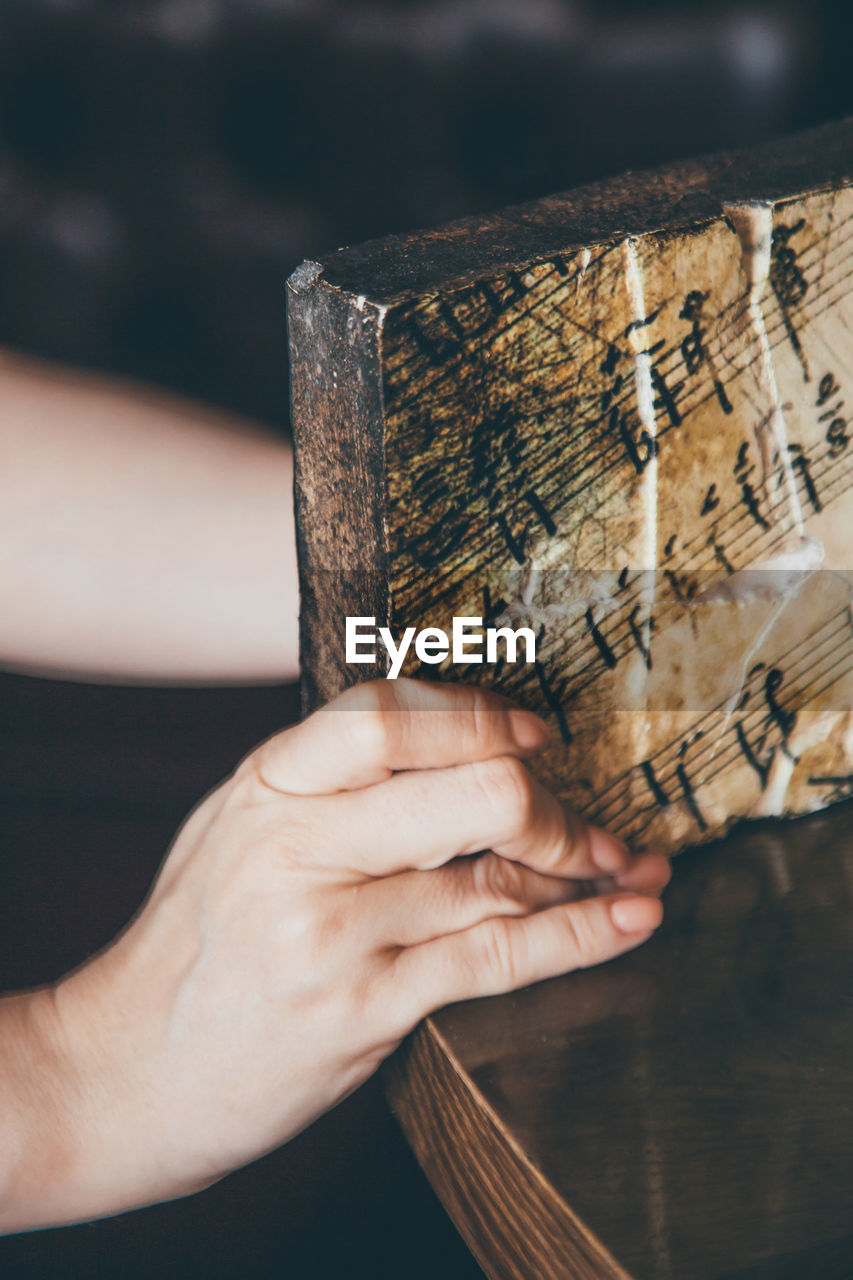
(504, 953)
(649, 873)
(418, 906)
(377, 728)
(419, 820)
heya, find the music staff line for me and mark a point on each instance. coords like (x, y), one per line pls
(613, 249)
(573, 689)
(649, 811)
(801, 659)
(775, 329)
(800, 690)
(638, 817)
(614, 448)
(828, 631)
(779, 329)
(672, 361)
(583, 430)
(446, 371)
(801, 674)
(740, 304)
(615, 625)
(736, 509)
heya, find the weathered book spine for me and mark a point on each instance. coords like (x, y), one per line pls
(339, 485)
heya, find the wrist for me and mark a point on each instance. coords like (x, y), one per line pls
(38, 1137)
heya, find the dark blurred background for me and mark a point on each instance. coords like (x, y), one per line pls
(164, 165)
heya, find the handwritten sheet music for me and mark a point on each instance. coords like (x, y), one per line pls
(643, 450)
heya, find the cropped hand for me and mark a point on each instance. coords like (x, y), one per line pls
(389, 855)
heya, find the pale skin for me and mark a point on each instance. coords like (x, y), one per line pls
(390, 855)
(142, 537)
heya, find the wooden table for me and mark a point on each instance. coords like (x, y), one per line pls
(683, 1113)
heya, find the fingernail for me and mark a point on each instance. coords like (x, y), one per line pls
(530, 733)
(609, 853)
(636, 915)
(648, 864)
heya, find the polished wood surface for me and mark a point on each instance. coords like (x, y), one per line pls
(682, 1113)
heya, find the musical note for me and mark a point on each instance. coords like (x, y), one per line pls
(520, 484)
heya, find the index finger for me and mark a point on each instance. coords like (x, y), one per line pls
(383, 726)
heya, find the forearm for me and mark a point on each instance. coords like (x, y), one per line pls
(141, 536)
(37, 1147)
(81, 1130)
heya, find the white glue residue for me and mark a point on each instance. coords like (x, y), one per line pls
(753, 224)
(648, 481)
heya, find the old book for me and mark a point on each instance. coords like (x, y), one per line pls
(618, 419)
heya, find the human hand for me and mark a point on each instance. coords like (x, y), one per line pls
(311, 911)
